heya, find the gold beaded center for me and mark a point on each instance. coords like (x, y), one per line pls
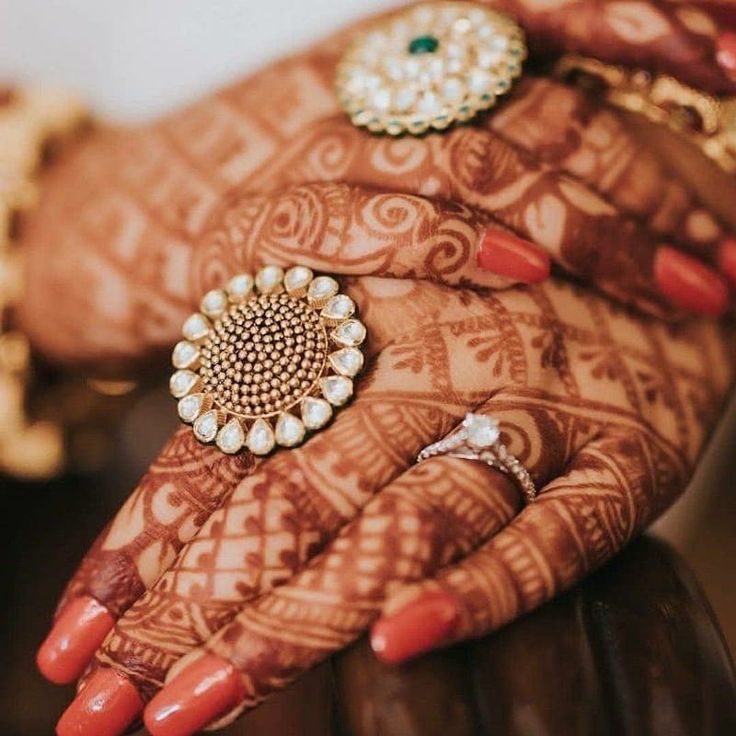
(264, 356)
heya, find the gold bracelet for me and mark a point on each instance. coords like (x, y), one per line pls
(708, 121)
(30, 121)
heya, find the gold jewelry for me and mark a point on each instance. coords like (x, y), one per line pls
(708, 121)
(430, 66)
(30, 119)
(267, 359)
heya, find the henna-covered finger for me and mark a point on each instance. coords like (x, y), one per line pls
(582, 231)
(679, 39)
(281, 514)
(578, 134)
(355, 231)
(433, 513)
(184, 485)
(612, 489)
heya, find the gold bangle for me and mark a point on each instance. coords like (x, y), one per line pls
(707, 121)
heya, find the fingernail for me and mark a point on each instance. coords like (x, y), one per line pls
(107, 705)
(726, 51)
(74, 638)
(506, 255)
(690, 284)
(208, 688)
(424, 623)
(727, 259)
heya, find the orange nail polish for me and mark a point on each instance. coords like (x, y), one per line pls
(206, 689)
(727, 259)
(73, 640)
(105, 707)
(726, 51)
(426, 622)
(690, 284)
(506, 255)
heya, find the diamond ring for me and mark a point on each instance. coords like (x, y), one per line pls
(430, 66)
(267, 359)
(477, 438)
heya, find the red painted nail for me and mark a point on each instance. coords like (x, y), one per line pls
(727, 259)
(107, 705)
(206, 689)
(726, 51)
(690, 284)
(73, 639)
(418, 627)
(506, 255)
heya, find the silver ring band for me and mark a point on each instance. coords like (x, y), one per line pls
(477, 438)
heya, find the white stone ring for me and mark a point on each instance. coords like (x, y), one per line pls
(267, 359)
(477, 438)
(429, 66)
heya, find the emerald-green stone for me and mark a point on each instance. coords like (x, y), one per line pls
(423, 45)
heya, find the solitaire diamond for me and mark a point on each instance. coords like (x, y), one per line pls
(482, 431)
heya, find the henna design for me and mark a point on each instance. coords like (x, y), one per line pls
(571, 132)
(611, 452)
(135, 203)
(575, 369)
(572, 374)
(184, 485)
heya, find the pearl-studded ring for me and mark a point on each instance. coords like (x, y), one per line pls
(267, 359)
(430, 66)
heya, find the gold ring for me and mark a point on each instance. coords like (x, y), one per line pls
(708, 122)
(430, 66)
(267, 359)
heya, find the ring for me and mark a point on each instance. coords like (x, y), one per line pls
(706, 121)
(477, 438)
(430, 66)
(267, 359)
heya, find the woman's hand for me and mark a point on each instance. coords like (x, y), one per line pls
(607, 411)
(121, 216)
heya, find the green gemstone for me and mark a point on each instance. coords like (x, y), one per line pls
(423, 45)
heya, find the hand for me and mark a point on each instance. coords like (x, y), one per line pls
(121, 215)
(606, 410)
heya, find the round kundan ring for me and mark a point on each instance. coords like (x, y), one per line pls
(477, 438)
(267, 359)
(430, 66)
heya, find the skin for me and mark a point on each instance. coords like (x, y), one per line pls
(134, 202)
(608, 410)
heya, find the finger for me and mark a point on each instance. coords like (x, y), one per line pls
(610, 492)
(526, 425)
(295, 502)
(582, 231)
(351, 230)
(575, 133)
(673, 39)
(337, 229)
(184, 485)
(434, 512)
